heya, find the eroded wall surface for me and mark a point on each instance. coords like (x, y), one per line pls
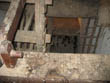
(104, 41)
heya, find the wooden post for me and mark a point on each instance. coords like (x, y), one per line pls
(40, 24)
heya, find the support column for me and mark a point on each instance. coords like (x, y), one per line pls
(40, 24)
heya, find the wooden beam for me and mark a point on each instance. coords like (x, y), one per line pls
(8, 79)
(62, 66)
(40, 24)
(26, 36)
(29, 37)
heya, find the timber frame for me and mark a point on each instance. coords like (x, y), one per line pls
(9, 27)
(11, 21)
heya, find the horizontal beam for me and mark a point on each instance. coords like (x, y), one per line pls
(62, 66)
(26, 36)
(29, 37)
(7, 79)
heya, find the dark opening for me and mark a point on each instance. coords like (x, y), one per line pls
(64, 34)
(63, 44)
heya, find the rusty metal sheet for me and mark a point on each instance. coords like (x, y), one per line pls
(63, 26)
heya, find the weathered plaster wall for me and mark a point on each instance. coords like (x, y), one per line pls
(72, 8)
(104, 41)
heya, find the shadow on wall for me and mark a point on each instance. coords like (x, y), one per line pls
(1, 62)
(2, 15)
(104, 42)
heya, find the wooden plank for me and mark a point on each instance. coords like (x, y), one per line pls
(7, 79)
(29, 37)
(26, 36)
(40, 24)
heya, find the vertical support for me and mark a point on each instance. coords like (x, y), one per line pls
(83, 33)
(29, 18)
(40, 24)
(97, 39)
(21, 28)
(86, 31)
(92, 36)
